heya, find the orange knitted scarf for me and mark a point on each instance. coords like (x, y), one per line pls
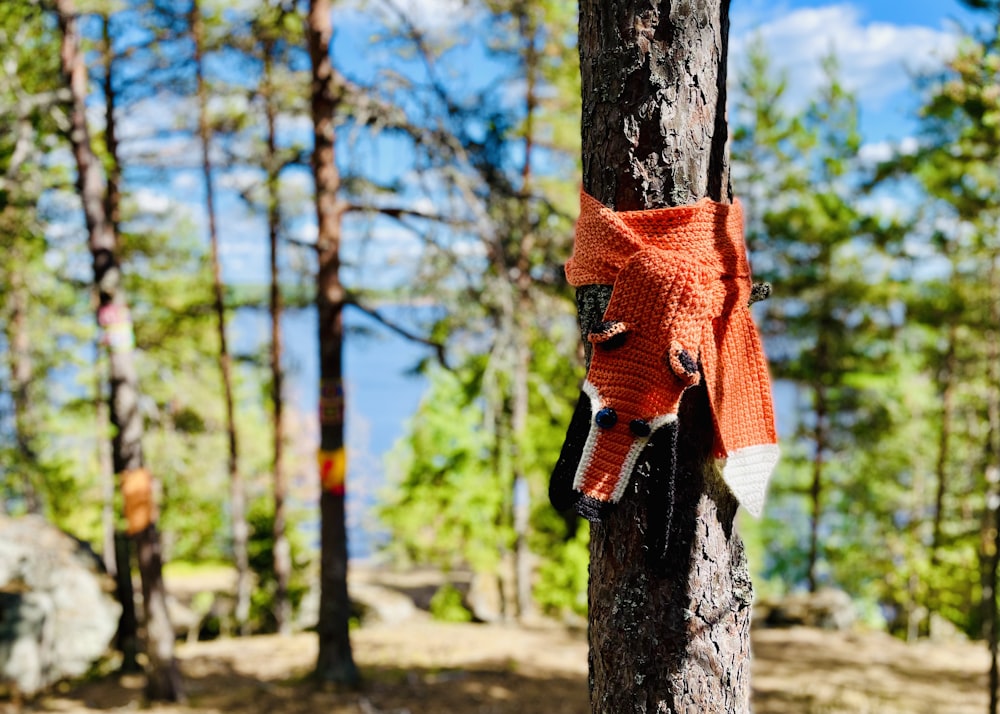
(678, 313)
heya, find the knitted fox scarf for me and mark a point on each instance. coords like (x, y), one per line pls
(678, 313)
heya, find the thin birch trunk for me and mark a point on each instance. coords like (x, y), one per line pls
(138, 484)
(117, 545)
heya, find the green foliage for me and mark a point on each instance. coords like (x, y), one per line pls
(447, 504)
(888, 331)
(884, 328)
(446, 605)
(260, 547)
(561, 584)
(829, 325)
(444, 507)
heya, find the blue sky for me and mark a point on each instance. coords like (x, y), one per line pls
(881, 44)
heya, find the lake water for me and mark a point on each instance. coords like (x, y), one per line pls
(381, 389)
(382, 393)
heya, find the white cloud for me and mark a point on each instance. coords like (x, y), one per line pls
(887, 205)
(909, 145)
(185, 182)
(876, 152)
(879, 151)
(877, 59)
(240, 178)
(294, 127)
(304, 232)
(148, 200)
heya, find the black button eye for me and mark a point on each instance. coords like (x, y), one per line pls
(606, 418)
(640, 428)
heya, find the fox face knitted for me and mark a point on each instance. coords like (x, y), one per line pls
(678, 312)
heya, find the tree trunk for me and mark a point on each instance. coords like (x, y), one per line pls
(654, 135)
(127, 637)
(946, 381)
(282, 550)
(816, 486)
(112, 193)
(237, 493)
(335, 663)
(19, 345)
(106, 470)
(993, 480)
(138, 486)
(521, 496)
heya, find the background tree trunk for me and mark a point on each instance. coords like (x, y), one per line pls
(654, 135)
(335, 662)
(117, 541)
(237, 492)
(992, 454)
(163, 675)
(521, 494)
(282, 559)
(21, 376)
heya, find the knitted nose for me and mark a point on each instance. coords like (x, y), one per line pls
(606, 418)
(640, 428)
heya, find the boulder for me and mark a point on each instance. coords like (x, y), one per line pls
(485, 598)
(370, 603)
(827, 609)
(381, 604)
(58, 613)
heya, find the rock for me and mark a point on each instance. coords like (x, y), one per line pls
(370, 603)
(943, 630)
(57, 609)
(185, 621)
(380, 604)
(485, 600)
(827, 609)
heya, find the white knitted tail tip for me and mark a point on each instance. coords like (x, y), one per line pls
(746, 471)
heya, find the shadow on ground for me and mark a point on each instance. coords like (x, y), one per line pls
(435, 668)
(492, 688)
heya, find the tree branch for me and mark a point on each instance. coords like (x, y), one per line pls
(438, 347)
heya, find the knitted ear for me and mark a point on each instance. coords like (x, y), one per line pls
(608, 334)
(683, 360)
(561, 492)
(689, 301)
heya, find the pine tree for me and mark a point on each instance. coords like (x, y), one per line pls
(237, 494)
(680, 641)
(164, 681)
(514, 214)
(335, 662)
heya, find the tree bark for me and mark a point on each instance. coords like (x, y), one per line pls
(521, 493)
(816, 485)
(670, 636)
(282, 550)
(947, 383)
(335, 662)
(237, 492)
(21, 373)
(993, 481)
(163, 675)
(117, 543)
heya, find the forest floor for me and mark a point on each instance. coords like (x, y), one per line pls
(427, 667)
